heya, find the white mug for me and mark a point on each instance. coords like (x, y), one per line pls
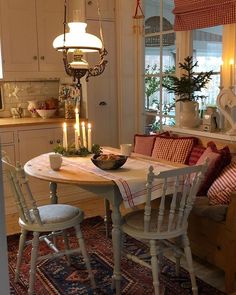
(126, 149)
(55, 161)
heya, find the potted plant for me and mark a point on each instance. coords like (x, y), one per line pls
(185, 89)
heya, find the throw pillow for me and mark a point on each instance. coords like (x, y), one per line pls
(218, 159)
(223, 186)
(143, 144)
(195, 154)
(175, 149)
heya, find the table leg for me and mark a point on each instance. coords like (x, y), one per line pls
(116, 242)
(107, 217)
(53, 192)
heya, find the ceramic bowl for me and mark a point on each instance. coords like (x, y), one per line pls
(109, 163)
(45, 114)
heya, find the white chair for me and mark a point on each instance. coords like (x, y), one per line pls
(168, 221)
(53, 219)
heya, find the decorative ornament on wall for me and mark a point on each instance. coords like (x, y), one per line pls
(226, 102)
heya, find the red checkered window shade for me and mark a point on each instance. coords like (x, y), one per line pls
(196, 14)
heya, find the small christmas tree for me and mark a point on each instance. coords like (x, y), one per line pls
(189, 82)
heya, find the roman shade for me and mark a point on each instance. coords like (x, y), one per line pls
(196, 14)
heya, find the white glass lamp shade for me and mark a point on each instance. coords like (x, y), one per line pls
(77, 38)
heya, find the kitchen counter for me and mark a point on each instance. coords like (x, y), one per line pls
(11, 122)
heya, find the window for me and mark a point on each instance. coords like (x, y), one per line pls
(205, 45)
(160, 57)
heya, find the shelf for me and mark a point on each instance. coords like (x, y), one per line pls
(198, 132)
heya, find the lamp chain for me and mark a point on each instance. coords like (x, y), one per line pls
(65, 20)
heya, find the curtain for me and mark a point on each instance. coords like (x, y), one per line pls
(196, 14)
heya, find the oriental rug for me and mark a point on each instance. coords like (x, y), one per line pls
(57, 277)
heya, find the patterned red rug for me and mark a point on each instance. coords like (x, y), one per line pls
(56, 277)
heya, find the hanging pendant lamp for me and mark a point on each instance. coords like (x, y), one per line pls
(77, 41)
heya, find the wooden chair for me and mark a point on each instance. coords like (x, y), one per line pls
(53, 219)
(168, 221)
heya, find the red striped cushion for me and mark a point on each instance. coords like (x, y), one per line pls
(173, 149)
(195, 154)
(223, 186)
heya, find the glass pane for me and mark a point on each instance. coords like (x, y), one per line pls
(168, 6)
(168, 52)
(207, 48)
(152, 93)
(207, 51)
(152, 60)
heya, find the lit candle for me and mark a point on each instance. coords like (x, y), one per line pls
(77, 120)
(221, 74)
(84, 135)
(76, 138)
(89, 137)
(231, 62)
(65, 144)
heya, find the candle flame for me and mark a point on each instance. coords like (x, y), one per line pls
(76, 110)
(231, 62)
(82, 124)
(89, 125)
(64, 125)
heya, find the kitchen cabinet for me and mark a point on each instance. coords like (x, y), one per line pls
(28, 30)
(107, 8)
(102, 90)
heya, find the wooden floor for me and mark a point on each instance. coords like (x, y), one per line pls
(210, 274)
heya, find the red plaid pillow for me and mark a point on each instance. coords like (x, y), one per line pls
(175, 149)
(221, 189)
(195, 154)
(218, 160)
(143, 144)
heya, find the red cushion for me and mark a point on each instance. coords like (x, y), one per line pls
(143, 144)
(218, 160)
(175, 149)
(195, 154)
(221, 189)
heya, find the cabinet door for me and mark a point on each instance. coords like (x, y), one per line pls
(49, 24)
(19, 35)
(35, 142)
(107, 9)
(102, 96)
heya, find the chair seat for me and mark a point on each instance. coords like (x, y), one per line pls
(53, 216)
(133, 224)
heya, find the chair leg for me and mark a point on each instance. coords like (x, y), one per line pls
(189, 259)
(67, 245)
(20, 253)
(155, 267)
(85, 254)
(34, 253)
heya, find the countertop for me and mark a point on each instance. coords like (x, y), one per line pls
(11, 122)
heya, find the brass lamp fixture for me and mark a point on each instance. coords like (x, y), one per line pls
(75, 43)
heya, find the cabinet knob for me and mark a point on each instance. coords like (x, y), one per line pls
(51, 141)
(102, 103)
(42, 57)
(90, 2)
(35, 57)
(58, 141)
